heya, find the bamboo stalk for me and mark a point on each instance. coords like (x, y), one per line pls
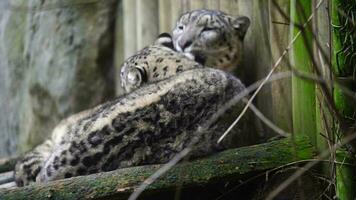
(225, 166)
(345, 176)
(303, 92)
(339, 62)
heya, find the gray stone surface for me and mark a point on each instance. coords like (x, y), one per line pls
(56, 58)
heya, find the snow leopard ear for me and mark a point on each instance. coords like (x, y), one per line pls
(134, 78)
(241, 25)
(165, 39)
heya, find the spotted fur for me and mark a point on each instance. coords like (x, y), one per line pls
(148, 125)
(211, 37)
(171, 96)
(154, 63)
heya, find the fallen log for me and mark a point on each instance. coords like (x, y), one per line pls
(119, 184)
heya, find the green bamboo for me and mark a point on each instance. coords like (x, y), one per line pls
(229, 165)
(303, 92)
(345, 176)
(343, 67)
(343, 61)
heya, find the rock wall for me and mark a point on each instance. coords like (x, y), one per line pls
(56, 58)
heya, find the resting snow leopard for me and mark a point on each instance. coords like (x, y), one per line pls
(213, 38)
(148, 125)
(210, 37)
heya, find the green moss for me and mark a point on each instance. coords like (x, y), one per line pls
(228, 165)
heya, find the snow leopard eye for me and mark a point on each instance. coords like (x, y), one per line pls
(208, 29)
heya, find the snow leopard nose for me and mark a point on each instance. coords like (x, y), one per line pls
(185, 43)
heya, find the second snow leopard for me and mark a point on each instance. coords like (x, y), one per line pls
(213, 38)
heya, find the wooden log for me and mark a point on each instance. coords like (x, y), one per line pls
(228, 165)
